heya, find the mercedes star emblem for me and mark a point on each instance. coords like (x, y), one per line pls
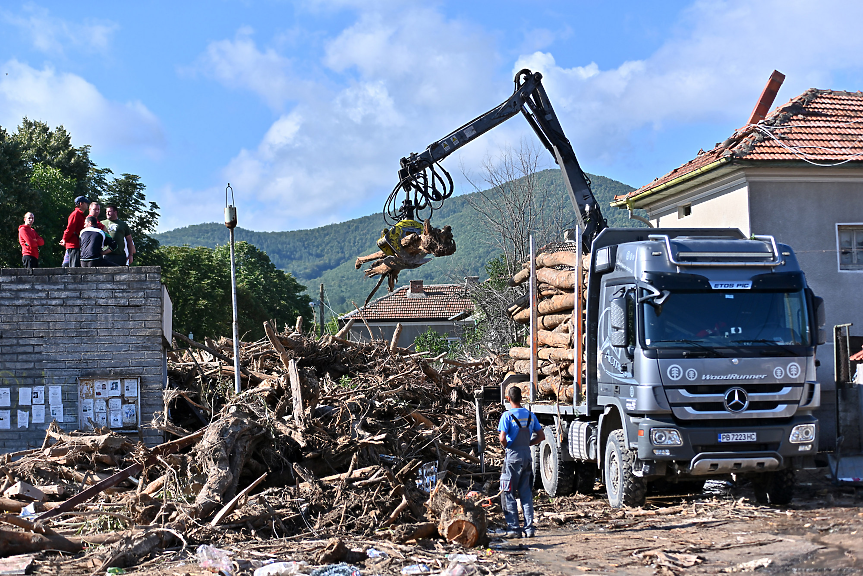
(736, 400)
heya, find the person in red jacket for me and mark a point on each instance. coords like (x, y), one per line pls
(71, 240)
(30, 241)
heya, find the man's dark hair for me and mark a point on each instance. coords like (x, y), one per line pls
(114, 206)
(91, 220)
(514, 393)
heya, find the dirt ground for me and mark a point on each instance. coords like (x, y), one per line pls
(721, 530)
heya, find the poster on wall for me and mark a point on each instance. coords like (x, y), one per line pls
(38, 395)
(23, 420)
(5, 397)
(37, 414)
(25, 396)
(57, 412)
(5, 419)
(55, 395)
(111, 402)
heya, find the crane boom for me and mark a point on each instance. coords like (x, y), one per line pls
(418, 172)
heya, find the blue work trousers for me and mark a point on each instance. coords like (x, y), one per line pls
(517, 477)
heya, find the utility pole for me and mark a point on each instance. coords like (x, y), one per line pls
(231, 223)
(321, 306)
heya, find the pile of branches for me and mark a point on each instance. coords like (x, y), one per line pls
(555, 289)
(328, 437)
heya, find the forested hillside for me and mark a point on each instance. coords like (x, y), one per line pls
(326, 255)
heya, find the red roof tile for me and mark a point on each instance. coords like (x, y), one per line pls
(822, 127)
(441, 301)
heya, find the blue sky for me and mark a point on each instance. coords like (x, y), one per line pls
(306, 107)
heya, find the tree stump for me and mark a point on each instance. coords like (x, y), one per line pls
(458, 521)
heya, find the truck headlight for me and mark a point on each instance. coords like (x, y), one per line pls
(802, 433)
(665, 437)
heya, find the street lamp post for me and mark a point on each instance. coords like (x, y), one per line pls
(231, 223)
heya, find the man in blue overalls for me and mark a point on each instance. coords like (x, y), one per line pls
(516, 427)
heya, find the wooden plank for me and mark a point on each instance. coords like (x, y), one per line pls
(229, 507)
(296, 392)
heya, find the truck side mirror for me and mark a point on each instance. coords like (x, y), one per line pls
(619, 324)
(820, 318)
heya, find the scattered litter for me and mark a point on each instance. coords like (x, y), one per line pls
(282, 569)
(215, 559)
(416, 569)
(342, 569)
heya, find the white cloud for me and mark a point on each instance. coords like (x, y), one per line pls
(239, 64)
(711, 70)
(53, 35)
(62, 98)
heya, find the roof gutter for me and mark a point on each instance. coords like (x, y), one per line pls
(629, 202)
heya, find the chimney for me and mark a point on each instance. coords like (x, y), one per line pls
(767, 97)
(416, 289)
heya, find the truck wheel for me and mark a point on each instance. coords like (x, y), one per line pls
(623, 487)
(558, 475)
(774, 487)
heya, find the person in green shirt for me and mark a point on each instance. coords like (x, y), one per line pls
(122, 235)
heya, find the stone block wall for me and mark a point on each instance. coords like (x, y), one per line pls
(59, 325)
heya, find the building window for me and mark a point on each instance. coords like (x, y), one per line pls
(684, 211)
(850, 247)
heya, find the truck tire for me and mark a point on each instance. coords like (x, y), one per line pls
(558, 475)
(622, 486)
(774, 487)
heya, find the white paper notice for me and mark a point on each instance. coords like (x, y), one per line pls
(130, 387)
(23, 419)
(114, 404)
(100, 388)
(130, 415)
(116, 419)
(24, 396)
(5, 419)
(114, 388)
(55, 395)
(5, 396)
(38, 413)
(87, 410)
(101, 419)
(38, 396)
(100, 407)
(57, 412)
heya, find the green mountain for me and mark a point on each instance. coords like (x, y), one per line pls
(326, 255)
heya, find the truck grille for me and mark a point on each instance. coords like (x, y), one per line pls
(695, 402)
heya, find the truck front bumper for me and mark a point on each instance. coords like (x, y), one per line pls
(758, 446)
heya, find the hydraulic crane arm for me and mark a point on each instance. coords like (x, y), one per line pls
(419, 172)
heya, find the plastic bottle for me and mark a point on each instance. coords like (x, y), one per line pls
(416, 569)
(214, 559)
(282, 569)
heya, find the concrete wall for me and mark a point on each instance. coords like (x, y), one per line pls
(718, 204)
(58, 325)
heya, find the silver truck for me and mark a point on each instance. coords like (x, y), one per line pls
(696, 347)
(699, 361)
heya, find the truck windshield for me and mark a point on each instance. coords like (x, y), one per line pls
(717, 318)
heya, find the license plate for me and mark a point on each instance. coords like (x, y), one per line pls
(737, 437)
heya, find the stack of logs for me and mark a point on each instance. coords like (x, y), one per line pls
(555, 278)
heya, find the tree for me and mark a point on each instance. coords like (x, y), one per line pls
(513, 202)
(54, 191)
(200, 290)
(127, 193)
(54, 148)
(199, 282)
(15, 198)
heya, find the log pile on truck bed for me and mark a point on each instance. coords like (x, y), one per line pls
(556, 281)
(329, 437)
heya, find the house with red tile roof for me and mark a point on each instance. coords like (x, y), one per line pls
(795, 173)
(444, 308)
